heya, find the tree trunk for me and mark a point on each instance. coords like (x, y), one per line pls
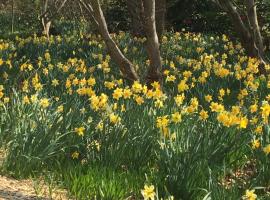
(135, 8)
(253, 20)
(249, 34)
(48, 13)
(46, 22)
(160, 17)
(152, 45)
(117, 56)
(256, 33)
(245, 36)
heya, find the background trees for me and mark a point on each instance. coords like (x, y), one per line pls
(94, 11)
(249, 21)
(146, 11)
(135, 9)
(63, 98)
(246, 24)
(193, 15)
(48, 11)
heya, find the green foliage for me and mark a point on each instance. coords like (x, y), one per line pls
(111, 162)
(193, 15)
(195, 158)
(102, 183)
(198, 16)
(36, 140)
(116, 15)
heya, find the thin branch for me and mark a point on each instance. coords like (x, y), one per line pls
(89, 8)
(220, 5)
(47, 11)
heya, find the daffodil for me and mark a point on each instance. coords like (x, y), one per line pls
(179, 99)
(203, 115)
(250, 195)
(148, 192)
(114, 119)
(55, 82)
(267, 149)
(255, 144)
(44, 102)
(127, 93)
(182, 86)
(176, 117)
(60, 109)
(75, 155)
(117, 93)
(80, 131)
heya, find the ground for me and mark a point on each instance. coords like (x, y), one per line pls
(12, 189)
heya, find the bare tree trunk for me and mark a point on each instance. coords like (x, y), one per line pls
(135, 8)
(117, 56)
(48, 13)
(46, 26)
(160, 17)
(245, 36)
(249, 34)
(152, 45)
(46, 22)
(253, 20)
(256, 32)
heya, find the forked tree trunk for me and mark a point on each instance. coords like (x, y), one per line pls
(46, 22)
(249, 33)
(152, 45)
(149, 27)
(135, 8)
(117, 56)
(253, 19)
(244, 34)
(47, 17)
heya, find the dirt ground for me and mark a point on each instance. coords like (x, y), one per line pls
(11, 189)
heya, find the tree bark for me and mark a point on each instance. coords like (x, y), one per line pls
(152, 44)
(249, 33)
(48, 13)
(135, 8)
(253, 20)
(46, 22)
(126, 67)
(245, 36)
